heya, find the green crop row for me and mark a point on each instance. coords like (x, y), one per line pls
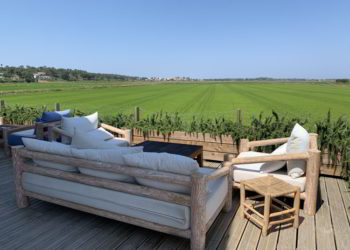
(334, 135)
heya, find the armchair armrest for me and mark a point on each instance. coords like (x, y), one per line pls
(269, 158)
(269, 142)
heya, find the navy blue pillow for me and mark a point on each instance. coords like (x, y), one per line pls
(54, 116)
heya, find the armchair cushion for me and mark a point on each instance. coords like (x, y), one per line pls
(273, 166)
(298, 142)
(101, 133)
(176, 164)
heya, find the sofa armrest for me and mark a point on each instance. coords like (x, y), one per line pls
(54, 132)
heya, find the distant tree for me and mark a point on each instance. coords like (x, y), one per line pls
(342, 80)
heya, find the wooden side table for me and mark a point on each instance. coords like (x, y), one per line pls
(270, 188)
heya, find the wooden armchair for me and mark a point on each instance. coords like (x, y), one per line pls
(312, 158)
(54, 132)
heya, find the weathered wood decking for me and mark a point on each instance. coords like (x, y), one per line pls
(47, 226)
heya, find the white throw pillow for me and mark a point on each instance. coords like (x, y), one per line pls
(273, 166)
(83, 124)
(101, 133)
(106, 155)
(52, 148)
(120, 142)
(87, 140)
(251, 166)
(176, 164)
(298, 142)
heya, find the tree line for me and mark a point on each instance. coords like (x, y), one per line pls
(30, 74)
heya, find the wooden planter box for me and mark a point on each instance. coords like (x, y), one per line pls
(213, 148)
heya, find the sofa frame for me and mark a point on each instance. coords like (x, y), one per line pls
(312, 158)
(196, 200)
(54, 132)
(39, 133)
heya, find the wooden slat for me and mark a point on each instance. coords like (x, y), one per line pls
(339, 216)
(324, 227)
(270, 241)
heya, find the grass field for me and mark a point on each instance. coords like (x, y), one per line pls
(188, 99)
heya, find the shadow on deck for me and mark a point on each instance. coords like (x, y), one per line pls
(47, 226)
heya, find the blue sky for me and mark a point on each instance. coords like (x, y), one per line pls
(201, 39)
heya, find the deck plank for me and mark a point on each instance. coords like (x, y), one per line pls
(250, 237)
(234, 232)
(219, 227)
(287, 238)
(306, 232)
(345, 193)
(44, 225)
(324, 227)
(339, 215)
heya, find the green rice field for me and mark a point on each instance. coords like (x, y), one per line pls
(205, 99)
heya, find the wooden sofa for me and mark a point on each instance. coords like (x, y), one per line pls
(312, 157)
(195, 202)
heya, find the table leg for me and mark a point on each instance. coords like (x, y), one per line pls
(242, 191)
(296, 207)
(200, 159)
(266, 214)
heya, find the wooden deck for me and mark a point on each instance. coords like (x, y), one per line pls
(47, 226)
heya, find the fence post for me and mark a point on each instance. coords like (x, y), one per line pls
(58, 107)
(137, 114)
(2, 105)
(239, 116)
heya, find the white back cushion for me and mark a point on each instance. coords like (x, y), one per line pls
(106, 155)
(165, 162)
(298, 142)
(52, 148)
(83, 124)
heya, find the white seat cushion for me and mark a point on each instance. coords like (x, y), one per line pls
(106, 155)
(241, 175)
(51, 148)
(165, 162)
(298, 142)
